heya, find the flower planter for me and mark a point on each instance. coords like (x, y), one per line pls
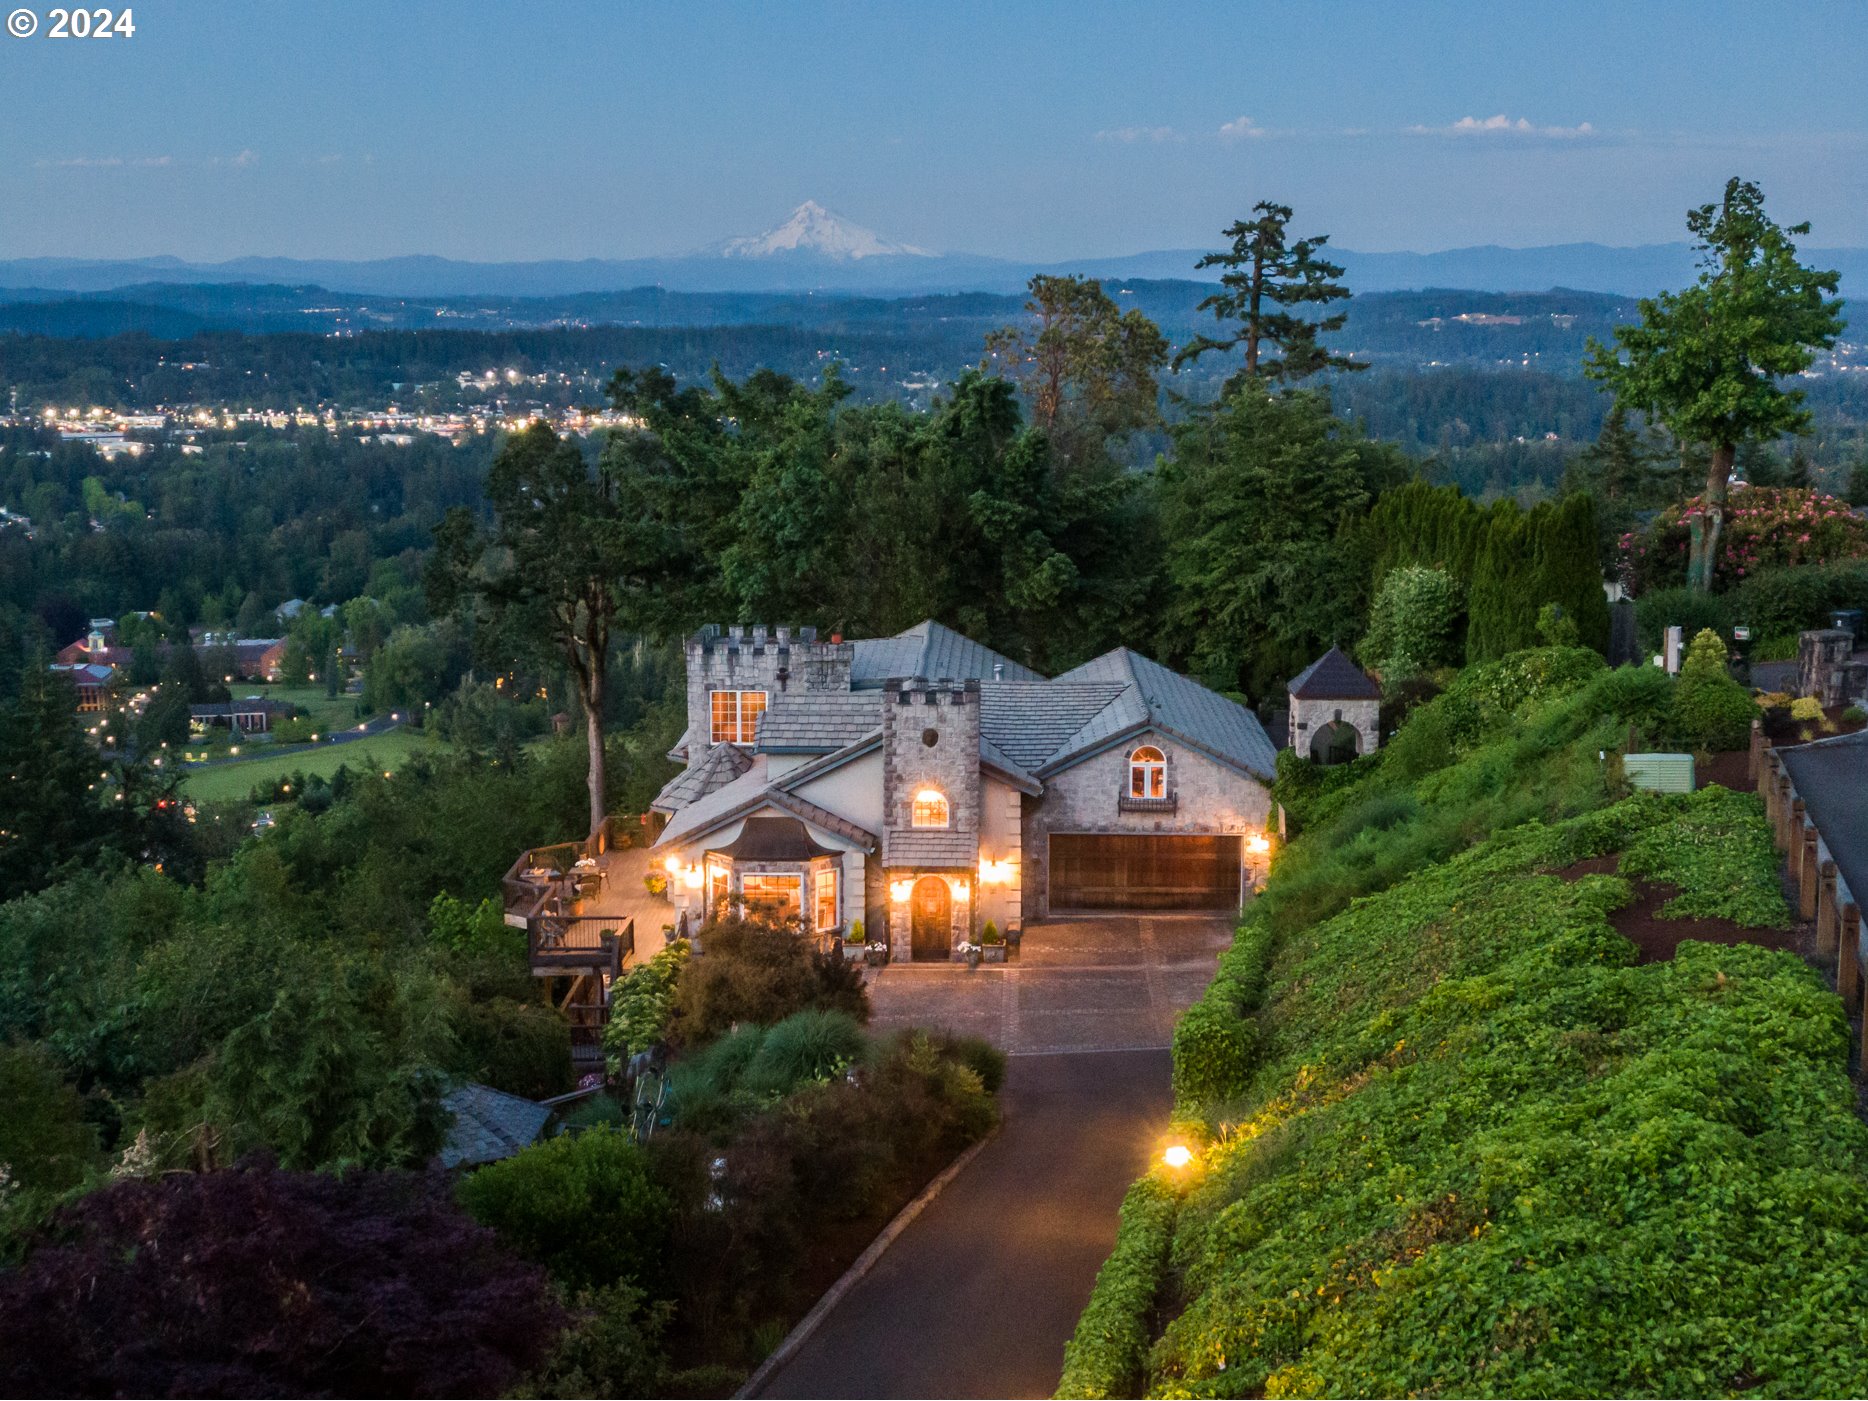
(992, 953)
(876, 955)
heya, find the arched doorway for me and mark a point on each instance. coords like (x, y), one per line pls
(1335, 743)
(932, 913)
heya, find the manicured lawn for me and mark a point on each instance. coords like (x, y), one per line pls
(325, 712)
(230, 782)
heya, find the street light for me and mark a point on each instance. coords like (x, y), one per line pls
(1177, 1156)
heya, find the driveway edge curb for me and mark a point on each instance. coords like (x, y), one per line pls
(864, 1263)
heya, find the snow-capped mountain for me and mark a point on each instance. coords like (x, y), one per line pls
(813, 229)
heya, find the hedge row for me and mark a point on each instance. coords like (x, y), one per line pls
(1106, 1355)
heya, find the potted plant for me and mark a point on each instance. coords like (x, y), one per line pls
(992, 943)
(853, 941)
(656, 882)
(970, 952)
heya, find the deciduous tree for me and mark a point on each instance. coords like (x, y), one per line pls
(1709, 361)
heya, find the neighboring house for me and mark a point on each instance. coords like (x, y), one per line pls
(251, 659)
(1335, 710)
(93, 681)
(250, 714)
(925, 784)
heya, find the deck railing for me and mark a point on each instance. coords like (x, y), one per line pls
(1823, 894)
(580, 941)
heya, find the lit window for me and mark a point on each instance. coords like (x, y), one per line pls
(930, 809)
(774, 895)
(824, 889)
(1147, 773)
(736, 716)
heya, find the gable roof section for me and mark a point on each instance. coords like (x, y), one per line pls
(1029, 721)
(934, 651)
(723, 764)
(486, 1125)
(745, 796)
(817, 722)
(1333, 676)
(1157, 698)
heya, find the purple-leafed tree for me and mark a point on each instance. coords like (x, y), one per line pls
(258, 1282)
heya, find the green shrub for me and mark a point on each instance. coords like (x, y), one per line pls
(523, 1048)
(642, 1005)
(761, 971)
(1105, 1357)
(1710, 710)
(614, 1347)
(1854, 715)
(1213, 1049)
(980, 1056)
(1411, 623)
(1784, 602)
(582, 1205)
(807, 1047)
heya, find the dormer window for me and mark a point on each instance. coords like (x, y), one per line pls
(1147, 773)
(736, 716)
(930, 809)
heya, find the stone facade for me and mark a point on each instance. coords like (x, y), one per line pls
(757, 659)
(1827, 668)
(930, 741)
(1310, 716)
(1209, 798)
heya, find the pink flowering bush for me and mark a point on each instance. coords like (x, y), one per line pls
(1765, 528)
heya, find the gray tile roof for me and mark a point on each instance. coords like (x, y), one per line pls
(1333, 676)
(723, 764)
(487, 1125)
(1029, 721)
(932, 650)
(747, 794)
(818, 722)
(1171, 702)
(917, 846)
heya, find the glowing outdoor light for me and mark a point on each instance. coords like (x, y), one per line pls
(900, 890)
(692, 877)
(1258, 844)
(672, 865)
(959, 888)
(1177, 1156)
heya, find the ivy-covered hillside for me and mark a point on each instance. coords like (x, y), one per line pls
(1454, 1140)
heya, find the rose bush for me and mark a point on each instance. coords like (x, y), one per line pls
(1765, 528)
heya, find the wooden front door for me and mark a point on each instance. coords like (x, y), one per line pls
(932, 911)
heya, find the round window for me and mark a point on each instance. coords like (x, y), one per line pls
(930, 737)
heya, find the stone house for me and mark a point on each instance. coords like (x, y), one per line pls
(925, 785)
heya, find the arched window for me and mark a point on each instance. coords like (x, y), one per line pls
(930, 809)
(1147, 773)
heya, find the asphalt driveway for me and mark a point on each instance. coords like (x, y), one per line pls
(981, 1292)
(1079, 985)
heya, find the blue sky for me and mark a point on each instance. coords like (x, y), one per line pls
(1019, 128)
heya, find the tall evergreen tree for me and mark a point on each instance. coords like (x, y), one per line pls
(1709, 362)
(50, 812)
(1266, 276)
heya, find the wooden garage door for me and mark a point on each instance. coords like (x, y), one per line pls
(1108, 872)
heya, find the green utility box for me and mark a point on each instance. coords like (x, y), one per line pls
(1660, 773)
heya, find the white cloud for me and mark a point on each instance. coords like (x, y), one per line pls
(102, 162)
(1241, 129)
(1130, 135)
(1501, 125)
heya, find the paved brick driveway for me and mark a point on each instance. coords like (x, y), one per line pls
(1079, 985)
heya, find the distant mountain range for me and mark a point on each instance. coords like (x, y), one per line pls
(814, 250)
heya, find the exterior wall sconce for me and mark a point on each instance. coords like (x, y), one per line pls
(958, 886)
(692, 877)
(900, 890)
(672, 865)
(995, 872)
(1258, 844)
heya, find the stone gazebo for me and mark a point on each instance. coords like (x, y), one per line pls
(1335, 710)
